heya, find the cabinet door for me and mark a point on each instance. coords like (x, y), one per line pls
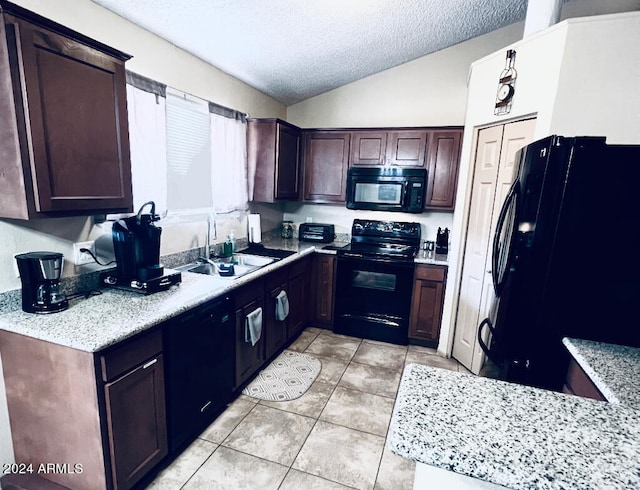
(324, 284)
(299, 289)
(275, 330)
(426, 303)
(368, 148)
(326, 160)
(136, 422)
(249, 358)
(407, 148)
(442, 169)
(75, 115)
(287, 167)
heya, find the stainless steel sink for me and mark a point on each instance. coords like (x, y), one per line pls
(242, 264)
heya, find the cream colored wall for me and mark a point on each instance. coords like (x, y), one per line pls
(552, 69)
(599, 84)
(429, 91)
(154, 58)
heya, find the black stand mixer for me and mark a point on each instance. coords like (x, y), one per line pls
(136, 244)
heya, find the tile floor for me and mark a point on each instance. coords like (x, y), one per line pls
(333, 437)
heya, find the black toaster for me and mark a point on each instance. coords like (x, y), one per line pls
(316, 232)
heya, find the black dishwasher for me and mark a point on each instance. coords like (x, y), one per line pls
(199, 348)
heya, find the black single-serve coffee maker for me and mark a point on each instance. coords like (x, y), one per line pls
(40, 276)
(136, 244)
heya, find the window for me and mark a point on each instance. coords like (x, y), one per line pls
(187, 155)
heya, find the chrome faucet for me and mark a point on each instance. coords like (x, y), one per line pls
(207, 242)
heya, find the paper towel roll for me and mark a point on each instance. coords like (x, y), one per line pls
(255, 234)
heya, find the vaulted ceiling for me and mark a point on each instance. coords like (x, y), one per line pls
(295, 49)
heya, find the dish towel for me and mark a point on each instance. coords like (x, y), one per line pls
(253, 326)
(282, 306)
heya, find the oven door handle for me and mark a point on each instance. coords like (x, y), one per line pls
(371, 319)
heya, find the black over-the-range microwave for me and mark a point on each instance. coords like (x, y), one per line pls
(386, 188)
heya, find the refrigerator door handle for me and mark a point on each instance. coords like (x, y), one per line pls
(485, 348)
(496, 273)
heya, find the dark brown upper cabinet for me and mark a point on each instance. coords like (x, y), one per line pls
(407, 148)
(326, 160)
(368, 148)
(443, 164)
(64, 134)
(273, 154)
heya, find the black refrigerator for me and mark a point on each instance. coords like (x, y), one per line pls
(565, 259)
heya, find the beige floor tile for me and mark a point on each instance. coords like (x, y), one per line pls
(395, 473)
(371, 379)
(228, 420)
(271, 434)
(423, 350)
(333, 346)
(227, 469)
(359, 410)
(180, 470)
(297, 480)
(431, 360)
(303, 341)
(332, 368)
(310, 404)
(342, 455)
(381, 355)
(316, 329)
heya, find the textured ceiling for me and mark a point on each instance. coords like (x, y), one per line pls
(295, 49)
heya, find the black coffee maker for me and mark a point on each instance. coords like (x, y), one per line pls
(40, 276)
(136, 244)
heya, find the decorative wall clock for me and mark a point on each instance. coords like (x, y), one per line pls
(506, 85)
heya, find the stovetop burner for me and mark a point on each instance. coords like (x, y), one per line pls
(392, 240)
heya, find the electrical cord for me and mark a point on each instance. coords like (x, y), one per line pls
(86, 250)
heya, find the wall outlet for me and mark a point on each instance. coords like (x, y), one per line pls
(81, 258)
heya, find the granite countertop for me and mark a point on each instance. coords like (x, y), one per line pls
(514, 435)
(614, 369)
(105, 319)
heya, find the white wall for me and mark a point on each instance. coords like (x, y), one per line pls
(159, 60)
(429, 91)
(599, 82)
(564, 76)
(343, 218)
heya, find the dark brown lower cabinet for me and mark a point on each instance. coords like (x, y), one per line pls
(103, 412)
(426, 303)
(249, 357)
(324, 267)
(578, 383)
(275, 335)
(136, 422)
(299, 293)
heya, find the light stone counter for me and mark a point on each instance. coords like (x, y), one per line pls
(614, 369)
(102, 320)
(514, 435)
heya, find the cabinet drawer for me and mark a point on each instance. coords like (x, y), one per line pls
(122, 359)
(431, 272)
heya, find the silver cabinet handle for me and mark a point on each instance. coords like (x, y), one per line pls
(150, 363)
(205, 406)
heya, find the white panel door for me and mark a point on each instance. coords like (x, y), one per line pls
(494, 172)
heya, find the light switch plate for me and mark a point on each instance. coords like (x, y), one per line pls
(81, 258)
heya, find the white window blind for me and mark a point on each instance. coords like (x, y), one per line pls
(188, 153)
